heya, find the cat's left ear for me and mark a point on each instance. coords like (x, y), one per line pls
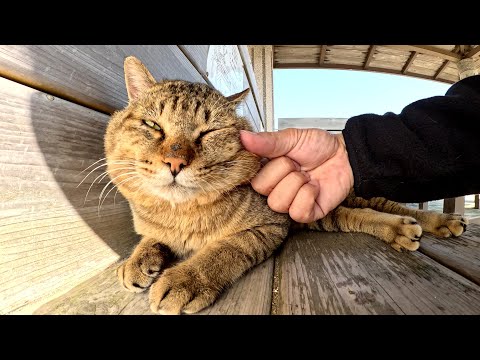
(238, 97)
(137, 77)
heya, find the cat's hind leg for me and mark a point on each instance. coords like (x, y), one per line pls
(401, 232)
(143, 266)
(441, 225)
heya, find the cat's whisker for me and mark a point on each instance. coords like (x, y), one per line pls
(212, 186)
(115, 186)
(106, 186)
(102, 175)
(116, 192)
(90, 166)
(108, 172)
(112, 163)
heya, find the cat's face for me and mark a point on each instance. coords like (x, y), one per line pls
(176, 140)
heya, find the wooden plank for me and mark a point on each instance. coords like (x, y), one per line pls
(409, 62)
(454, 205)
(323, 50)
(440, 70)
(369, 57)
(90, 75)
(50, 241)
(477, 202)
(344, 273)
(461, 254)
(429, 50)
(473, 52)
(102, 295)
(198, 56)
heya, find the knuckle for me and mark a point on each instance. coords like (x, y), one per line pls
(276, 205)
(300, 215)
(285, 163)
(298, 177)
(260, 186)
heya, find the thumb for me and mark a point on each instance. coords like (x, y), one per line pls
(270, 144)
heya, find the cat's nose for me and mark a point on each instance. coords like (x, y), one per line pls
(176, 164)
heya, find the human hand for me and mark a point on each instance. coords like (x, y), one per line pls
(308, 174)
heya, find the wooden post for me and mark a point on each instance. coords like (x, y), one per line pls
(454, 205)
(423, 205)
(477, 202)
(262, 62)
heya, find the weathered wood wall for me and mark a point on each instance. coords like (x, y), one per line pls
(54, 106)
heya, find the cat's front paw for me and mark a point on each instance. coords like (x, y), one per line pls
(139, 271)
(406, 234)
(132, 276)
(181, 289)
(447, 225)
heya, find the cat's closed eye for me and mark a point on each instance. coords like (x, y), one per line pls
(198, 141)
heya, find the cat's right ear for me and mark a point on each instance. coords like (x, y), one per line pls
(137, 77)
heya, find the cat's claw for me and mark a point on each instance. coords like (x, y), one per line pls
(451, 225)
(178, 291)
(132, 278)
(408, 234)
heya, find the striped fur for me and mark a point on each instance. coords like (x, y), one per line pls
(209, 222)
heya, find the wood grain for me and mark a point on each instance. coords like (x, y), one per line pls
(50, 241)
(198, 56)
(388, 59)
(90, 75)
(102, 295)
(461, 254)
(338, 273)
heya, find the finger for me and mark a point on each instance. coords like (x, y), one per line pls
(304, 209)
(283, 194)
(271, 174)
(270, 144)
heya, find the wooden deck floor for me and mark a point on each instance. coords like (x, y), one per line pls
(325, 273)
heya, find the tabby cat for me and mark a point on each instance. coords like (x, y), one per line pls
(175, 154)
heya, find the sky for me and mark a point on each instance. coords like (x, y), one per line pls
(346, 93)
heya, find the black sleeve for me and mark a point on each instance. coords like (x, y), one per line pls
(430, 151)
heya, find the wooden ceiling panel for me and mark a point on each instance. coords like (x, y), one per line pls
(425, 61)
(396, 65)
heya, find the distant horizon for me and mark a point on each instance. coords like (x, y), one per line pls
(327, 93)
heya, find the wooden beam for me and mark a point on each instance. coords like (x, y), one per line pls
(356, 67)
(440, 70)
(477, 202)
(473, 52)
(323, 50)
(429, 50)
(369, 57)
(409, 62)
